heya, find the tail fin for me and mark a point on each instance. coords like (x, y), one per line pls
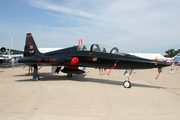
(30, 48)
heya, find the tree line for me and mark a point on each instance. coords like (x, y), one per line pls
(171, 52)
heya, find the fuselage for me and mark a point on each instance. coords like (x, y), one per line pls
(91, 58)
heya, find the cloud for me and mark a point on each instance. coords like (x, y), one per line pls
(150, 23)
(45, 4)
(138, 26)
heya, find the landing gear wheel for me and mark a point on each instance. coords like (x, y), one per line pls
(127, 84)
(69, 75)
(37, 78)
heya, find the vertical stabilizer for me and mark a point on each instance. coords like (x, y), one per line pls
(30, 48)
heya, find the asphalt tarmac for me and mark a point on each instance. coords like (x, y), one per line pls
(89, 96)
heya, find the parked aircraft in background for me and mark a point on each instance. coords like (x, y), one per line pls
(152, 56)
(10, 53)
(3, 50)
(87, 56)
(44, 50)
(177, 58)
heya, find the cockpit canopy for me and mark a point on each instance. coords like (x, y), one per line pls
(100, 48)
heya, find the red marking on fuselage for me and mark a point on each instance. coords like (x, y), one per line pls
(89, 59)
(51, 59)
(38, 60)
(90, 54)
(54, 60)
(74, 61)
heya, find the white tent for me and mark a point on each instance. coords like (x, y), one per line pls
(151, 56)
(177, 57)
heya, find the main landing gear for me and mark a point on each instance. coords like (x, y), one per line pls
(37, 78)
(69, 75)
(35, 73)
(127, 83)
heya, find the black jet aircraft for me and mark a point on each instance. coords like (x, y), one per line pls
(93, 56)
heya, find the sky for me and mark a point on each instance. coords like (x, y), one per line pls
(146, 26)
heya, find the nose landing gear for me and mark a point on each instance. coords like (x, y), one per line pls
(127, 83)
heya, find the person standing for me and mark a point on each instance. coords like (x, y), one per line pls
(13, 62)
(105, 71)
(100, 71)
(30, 69)
(172, 67)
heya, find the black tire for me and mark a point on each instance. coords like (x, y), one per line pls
(69, 75)
(127, 84)
(37, 78)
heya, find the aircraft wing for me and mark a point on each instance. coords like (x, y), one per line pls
(11, 56)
